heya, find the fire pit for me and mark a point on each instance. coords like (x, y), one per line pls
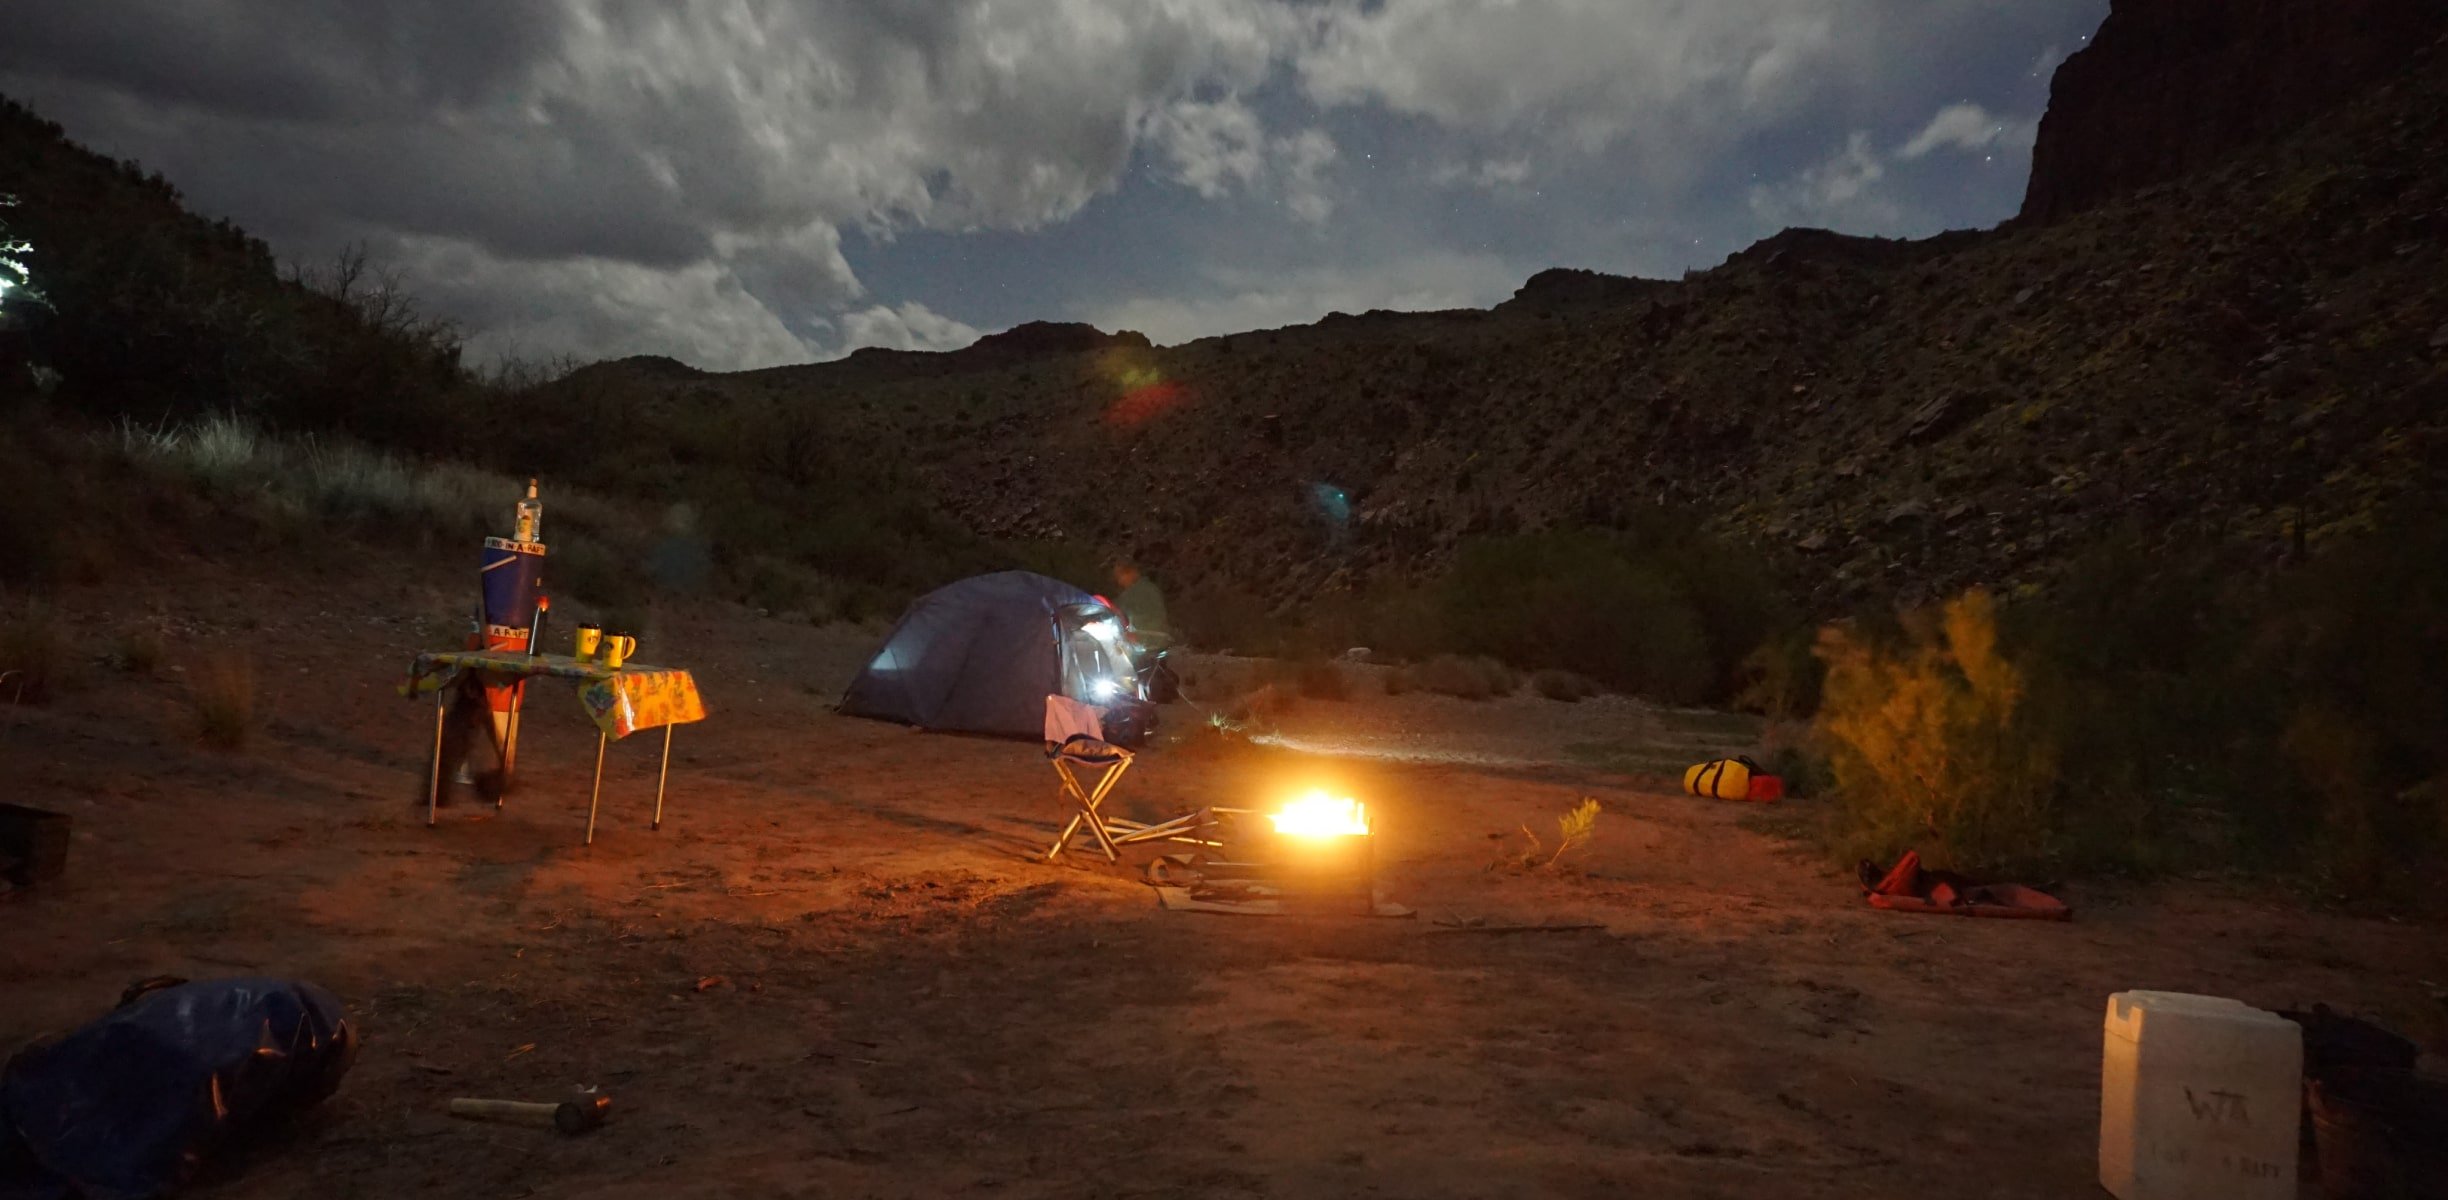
(1321, 855)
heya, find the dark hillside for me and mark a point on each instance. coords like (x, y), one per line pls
(2172, 86)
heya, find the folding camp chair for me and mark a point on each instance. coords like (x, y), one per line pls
(1075, 744)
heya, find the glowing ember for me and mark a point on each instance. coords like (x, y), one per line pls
(1320, 815)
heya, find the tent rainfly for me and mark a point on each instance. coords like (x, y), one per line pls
(981, 656)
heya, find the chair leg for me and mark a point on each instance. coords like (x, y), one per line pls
(1062, 840)
(1096, 825)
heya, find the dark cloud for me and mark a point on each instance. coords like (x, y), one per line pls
(677, 176)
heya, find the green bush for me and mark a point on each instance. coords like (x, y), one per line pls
(1579, 601)
(2336, 679)
(1654, 608)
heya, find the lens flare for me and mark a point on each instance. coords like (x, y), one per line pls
(1332, 502)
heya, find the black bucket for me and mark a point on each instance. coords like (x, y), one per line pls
(2381, 1134)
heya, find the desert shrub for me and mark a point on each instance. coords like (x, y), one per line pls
(1564, 685)
(779, 587)
(1402, 622)
(1077, 563)
(223, 695)
(1660, 611)
(36, 655)
(2150, 709)
(588, 569)
(1931, 745)
(1470, 677)
(1790, 750)
(1225, 619)
(1320, 679)
(1781, 677)
(2332, 713)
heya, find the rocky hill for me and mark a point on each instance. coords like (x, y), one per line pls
(2254, 351)
(2223, 321)
(2171, 86)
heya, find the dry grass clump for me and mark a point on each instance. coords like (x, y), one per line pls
(223, 694)
(322, 480)
(1470, 677)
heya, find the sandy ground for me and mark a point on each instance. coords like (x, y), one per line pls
(909, 1005)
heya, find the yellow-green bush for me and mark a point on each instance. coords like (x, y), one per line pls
(1932, 746)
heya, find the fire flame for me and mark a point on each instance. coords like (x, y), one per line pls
(1320, 815)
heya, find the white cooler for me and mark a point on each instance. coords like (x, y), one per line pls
(2201, 1098)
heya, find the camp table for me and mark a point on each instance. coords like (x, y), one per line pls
(621, 701)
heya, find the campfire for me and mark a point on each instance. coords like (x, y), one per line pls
(1322, 854)
(1318, 815)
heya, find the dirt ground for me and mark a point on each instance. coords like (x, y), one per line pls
(909, 1004)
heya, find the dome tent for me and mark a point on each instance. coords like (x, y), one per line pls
(981, 655)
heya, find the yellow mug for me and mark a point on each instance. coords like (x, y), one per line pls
(617, 649)
(589, 637)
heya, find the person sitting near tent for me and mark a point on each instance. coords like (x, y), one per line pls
(1143, 606)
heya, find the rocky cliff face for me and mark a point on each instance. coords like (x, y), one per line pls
(2168, 87)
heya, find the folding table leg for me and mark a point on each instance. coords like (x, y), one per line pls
(433, 785)
(509, 755)
(596, 800)
(663, 778)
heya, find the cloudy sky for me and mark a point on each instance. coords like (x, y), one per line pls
(742, 183)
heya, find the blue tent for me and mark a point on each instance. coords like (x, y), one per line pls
(981, 656)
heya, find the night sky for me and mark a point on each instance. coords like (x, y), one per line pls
(744, 184)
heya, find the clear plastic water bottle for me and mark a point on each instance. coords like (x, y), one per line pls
(530, 516)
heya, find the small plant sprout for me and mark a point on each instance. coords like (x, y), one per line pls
(1574, 828)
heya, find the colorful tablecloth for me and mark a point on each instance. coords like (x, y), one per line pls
(621, 702)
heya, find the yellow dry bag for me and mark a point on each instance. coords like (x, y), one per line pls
(1724, 779)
